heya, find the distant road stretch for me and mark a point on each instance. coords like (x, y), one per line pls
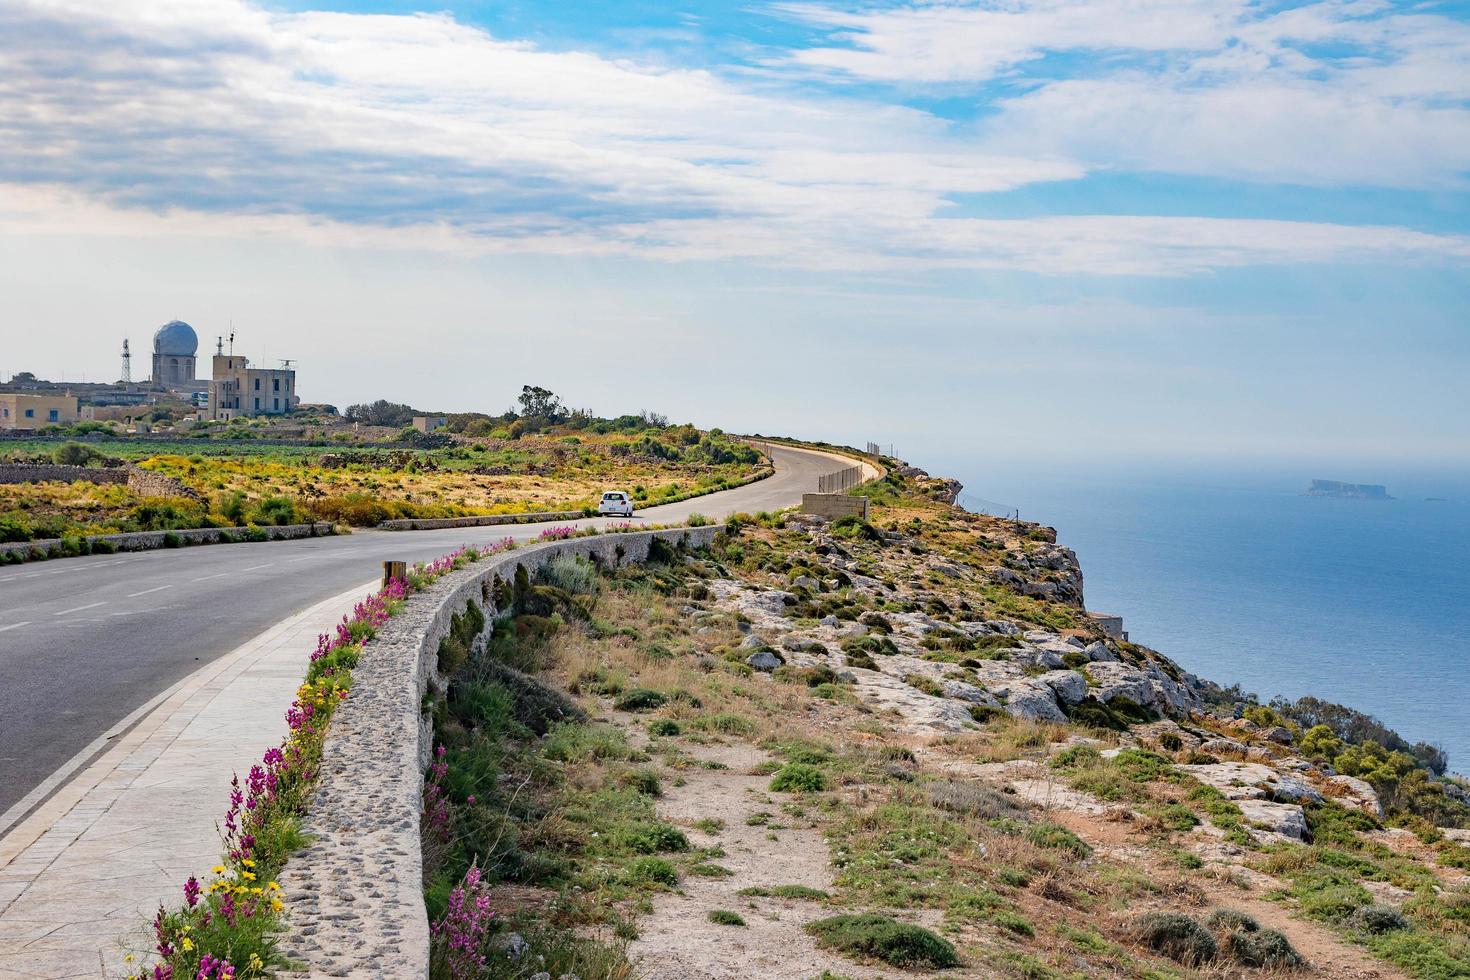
(85, 641)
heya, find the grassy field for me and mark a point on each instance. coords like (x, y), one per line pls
(241, 484)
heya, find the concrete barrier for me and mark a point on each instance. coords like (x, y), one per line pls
(489, 520)
(834, 506)
(356, 892)
(148, 540)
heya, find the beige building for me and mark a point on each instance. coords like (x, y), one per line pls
(18, 411)
(428, 423)
(241, 390)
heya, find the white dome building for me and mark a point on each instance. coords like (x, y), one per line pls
(175, 347)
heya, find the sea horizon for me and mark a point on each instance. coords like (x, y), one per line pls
(1240, 576)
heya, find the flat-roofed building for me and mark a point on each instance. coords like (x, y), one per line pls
(239, 390)
(24, 412)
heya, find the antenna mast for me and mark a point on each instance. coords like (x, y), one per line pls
(127, 365)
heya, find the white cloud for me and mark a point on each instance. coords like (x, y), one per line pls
(1337, 92)
(219, 117)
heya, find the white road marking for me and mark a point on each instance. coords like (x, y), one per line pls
(292, 561)
(90, 605)
(14, 626)
(150, 591)
(253, 568)
(206, 578)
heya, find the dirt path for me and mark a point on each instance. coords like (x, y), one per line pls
(679, 942)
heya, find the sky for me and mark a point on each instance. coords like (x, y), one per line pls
(1039, 229)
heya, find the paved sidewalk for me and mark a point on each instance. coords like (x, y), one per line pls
(82, 876)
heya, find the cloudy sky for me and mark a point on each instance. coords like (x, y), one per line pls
(1099, 227)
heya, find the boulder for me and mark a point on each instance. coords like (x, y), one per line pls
(752, 642)
(1216, 746)
(969, 692)
(1069, 686)
(764, 661)
(1253, 781)
(1033, 702)
(1279, 734)
(1282, 819)
(1002, 628)
(1362, 795)
(798, 644)
(807, 582)
(1098, 651)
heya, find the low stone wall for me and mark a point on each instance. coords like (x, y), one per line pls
(146, 483)
(53, 472)
(834, 506)
(148, 540)
(434, 523)
(356, 892)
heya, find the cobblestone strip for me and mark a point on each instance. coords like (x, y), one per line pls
(82, 875)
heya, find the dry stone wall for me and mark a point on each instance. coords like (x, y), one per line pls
(55, 473)
(356, 892)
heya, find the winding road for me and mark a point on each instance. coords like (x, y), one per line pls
(86, 641)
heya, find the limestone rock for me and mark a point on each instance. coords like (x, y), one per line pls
(1253, 781)
(764, 661)
(1363, 796)
(970, 693)
(1283, 819)
(1031, 701)
(1279, 734)
(1069, 686)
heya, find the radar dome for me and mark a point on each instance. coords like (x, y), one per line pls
(176, 337)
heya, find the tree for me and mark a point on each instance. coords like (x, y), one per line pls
(381, 412)
(538, 403)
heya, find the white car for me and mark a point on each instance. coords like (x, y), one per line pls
(616, 503)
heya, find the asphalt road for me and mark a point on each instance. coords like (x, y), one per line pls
(85, 641)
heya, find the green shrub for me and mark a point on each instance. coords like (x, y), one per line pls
(1176, 936)
(784, 891)
(644, 780)
(857, 658)
(724, 917)
(1076, 757)
(651, 838)
(1377, 919)
(663, 726)
(799, 777)
(879, 937)
(1262, 948)
(1058, 838)
(172, 540)
(640, 699)
(1230, 920)
(652, 870)
(573, 574)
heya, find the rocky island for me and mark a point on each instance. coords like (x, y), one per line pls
(1356, 491)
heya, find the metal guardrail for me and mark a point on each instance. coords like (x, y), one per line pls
(840, 481)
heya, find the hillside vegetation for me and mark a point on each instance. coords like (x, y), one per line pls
(894, 746)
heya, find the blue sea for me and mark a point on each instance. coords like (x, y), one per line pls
(1240, 577)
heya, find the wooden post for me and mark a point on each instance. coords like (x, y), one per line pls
(394, 569)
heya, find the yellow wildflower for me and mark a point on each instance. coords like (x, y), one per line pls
(248, 863)
(218, 869)
(187, 944)
(277, 905)
(248, 875)
(274, 887)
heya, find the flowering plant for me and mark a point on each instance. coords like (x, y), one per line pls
(229, 929)
(558, 533)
